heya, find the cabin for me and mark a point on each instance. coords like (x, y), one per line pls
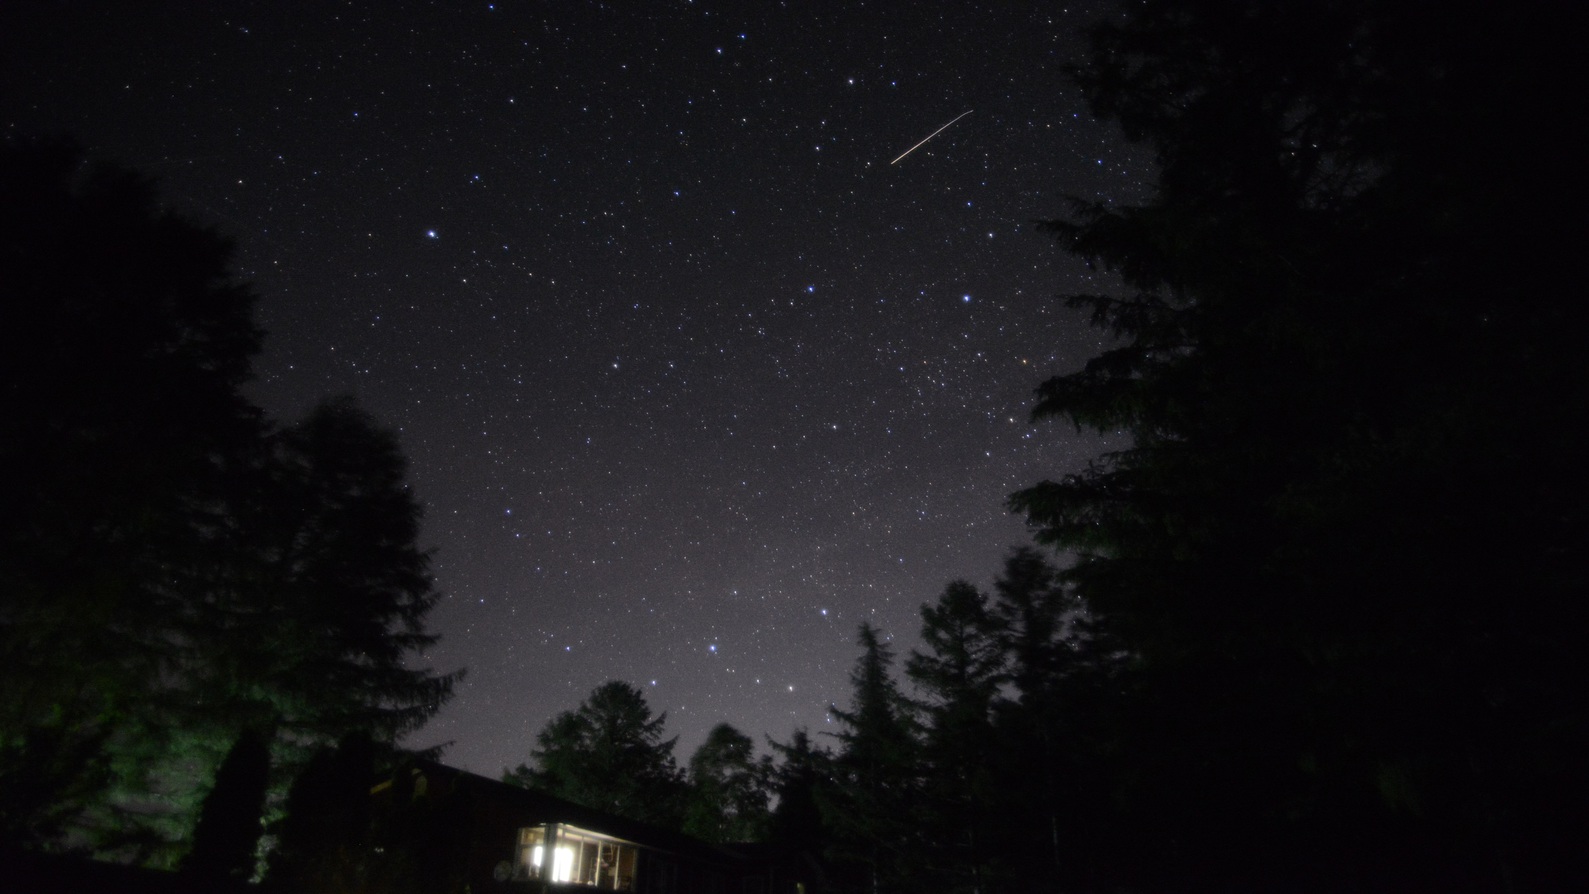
(514, 840)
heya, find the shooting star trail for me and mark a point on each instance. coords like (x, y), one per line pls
(930, 136)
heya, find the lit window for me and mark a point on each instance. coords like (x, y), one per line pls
(578, 857)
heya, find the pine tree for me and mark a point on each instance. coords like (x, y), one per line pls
(324, 837)
(877, 778)
(351, 826)
(1345, 401)
(959, 677)
(307, 615)
(1029, 611)
(728, 789)
(226, 837)
(609, 754)
(178, 570)
(330, 599)
(1055, 733)
(801, 782)
(123, 345)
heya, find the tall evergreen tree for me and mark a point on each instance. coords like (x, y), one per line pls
(323, 839)
(123, 344)
(302, 620)
(800, 780)
(877, 781)
(1029, 612)
(340, 833)
(226, 837)
(329, 590)
(1054, 731)
(178, 571)
(958, 676)
(1345, 400)
(609, 754)
(729, 789)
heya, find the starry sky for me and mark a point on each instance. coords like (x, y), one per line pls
(691, 378)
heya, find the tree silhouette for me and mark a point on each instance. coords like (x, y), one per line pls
(959, 676)
(728, 798)
(1055, 731)
(226, 838)
(178, 569)
(329, 590)
(876, 774)
(356, 820)
(122, 348)
(799, 779)
(1343, 399)
(609, 754)
(323, 840)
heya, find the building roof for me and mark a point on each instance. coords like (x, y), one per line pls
(534, 807)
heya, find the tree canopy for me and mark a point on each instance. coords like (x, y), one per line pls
(870, 805)
(122, 348)
(609, 754)
(729, 789)
(178, 568)
(958, 676)
(1336, 543)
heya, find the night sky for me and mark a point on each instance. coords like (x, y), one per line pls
(691, 378)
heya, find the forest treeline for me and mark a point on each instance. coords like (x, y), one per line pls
(975, 775)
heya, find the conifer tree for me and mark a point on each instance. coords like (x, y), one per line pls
(123, 346)
(1051, 784)
(179, 570)
(958, 677)
(1345, 399)
(226, 837)
(877, 778)
(800, 781)
(324, 838)
(330, 597)
(729, 789)
(609, 754)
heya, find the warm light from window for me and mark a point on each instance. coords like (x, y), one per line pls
(563, 865)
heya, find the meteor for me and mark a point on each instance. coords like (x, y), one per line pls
(930, 136)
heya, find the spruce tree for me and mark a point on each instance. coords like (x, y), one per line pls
(877, 779)
(226, 837)
(958, 677)
(178, 569)
(1054, 731)
(729, 789)
(801, 782)
(609, 754)
(1337, 542)
(324, 838)
(329, 590)
(123, 347)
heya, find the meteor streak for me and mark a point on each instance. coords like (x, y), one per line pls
(930, 136)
